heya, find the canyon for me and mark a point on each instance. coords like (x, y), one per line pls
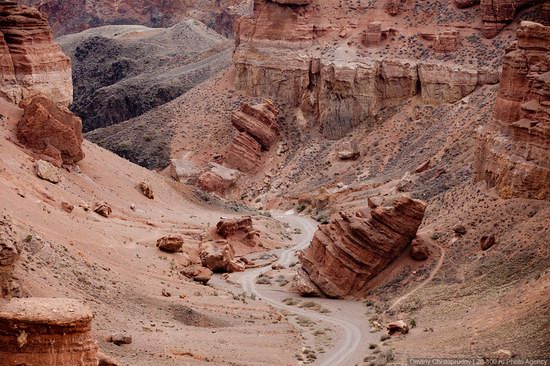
(347, 170)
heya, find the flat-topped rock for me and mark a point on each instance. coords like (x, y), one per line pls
(46, 332)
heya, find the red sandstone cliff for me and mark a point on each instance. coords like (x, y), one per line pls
(514, 149)
(30, 61)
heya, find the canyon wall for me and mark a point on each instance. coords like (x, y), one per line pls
(276, 56)
(70, 16)
(30, 61)
(347, 253)
(514, 149)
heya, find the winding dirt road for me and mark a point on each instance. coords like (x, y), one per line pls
(349, 344)
(426, 281)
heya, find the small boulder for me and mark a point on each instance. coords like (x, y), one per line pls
(419, 250)
(348, 155)
(487, 241)
(103, 209)
(501, 354)
(51, 130)
(67, 207)
(197, 273)
(147, 190)
(397, 327)
(170, 244)
(459, 229)
(120, 338)
(47, 171)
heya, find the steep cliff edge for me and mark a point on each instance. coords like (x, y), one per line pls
(514, 149)
(30, 61)
(280, 54)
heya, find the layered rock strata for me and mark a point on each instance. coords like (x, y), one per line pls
(276, 57)
(258, 130)
(347, 253)
(46, 332)
(514, 148)
(30, 61)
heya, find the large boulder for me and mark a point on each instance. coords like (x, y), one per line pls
(218, 178)
(238, 231)
(219, 256)
(47, 171)
(197, 273)
(51, 130)
(170, 244)
(347, 253)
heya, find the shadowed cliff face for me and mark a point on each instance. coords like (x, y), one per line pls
(514, 148)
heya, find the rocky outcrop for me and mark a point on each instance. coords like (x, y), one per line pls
(30, 61)
(447, 41)
(46, 332)
(238, 231)
(514, 148)
(218, 179)
(347, 253)
(258, 130)
(219, 256)
(258, 121)
(51, 130)
(9, 254)
(496, 14)
(338, 95)
(244, 153)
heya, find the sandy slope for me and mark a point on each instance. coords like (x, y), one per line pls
(113, 266)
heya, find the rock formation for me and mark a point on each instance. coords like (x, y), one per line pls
(170, 244)
(219, 256)
(218, 178)
(30, 61)
(51, 130)
(46, 332)
(336, 94)
(345, 254)
(258, 129)
(496, 14)
(238, 231)
(514, 148)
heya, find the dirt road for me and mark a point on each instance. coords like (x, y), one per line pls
(346, 349)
